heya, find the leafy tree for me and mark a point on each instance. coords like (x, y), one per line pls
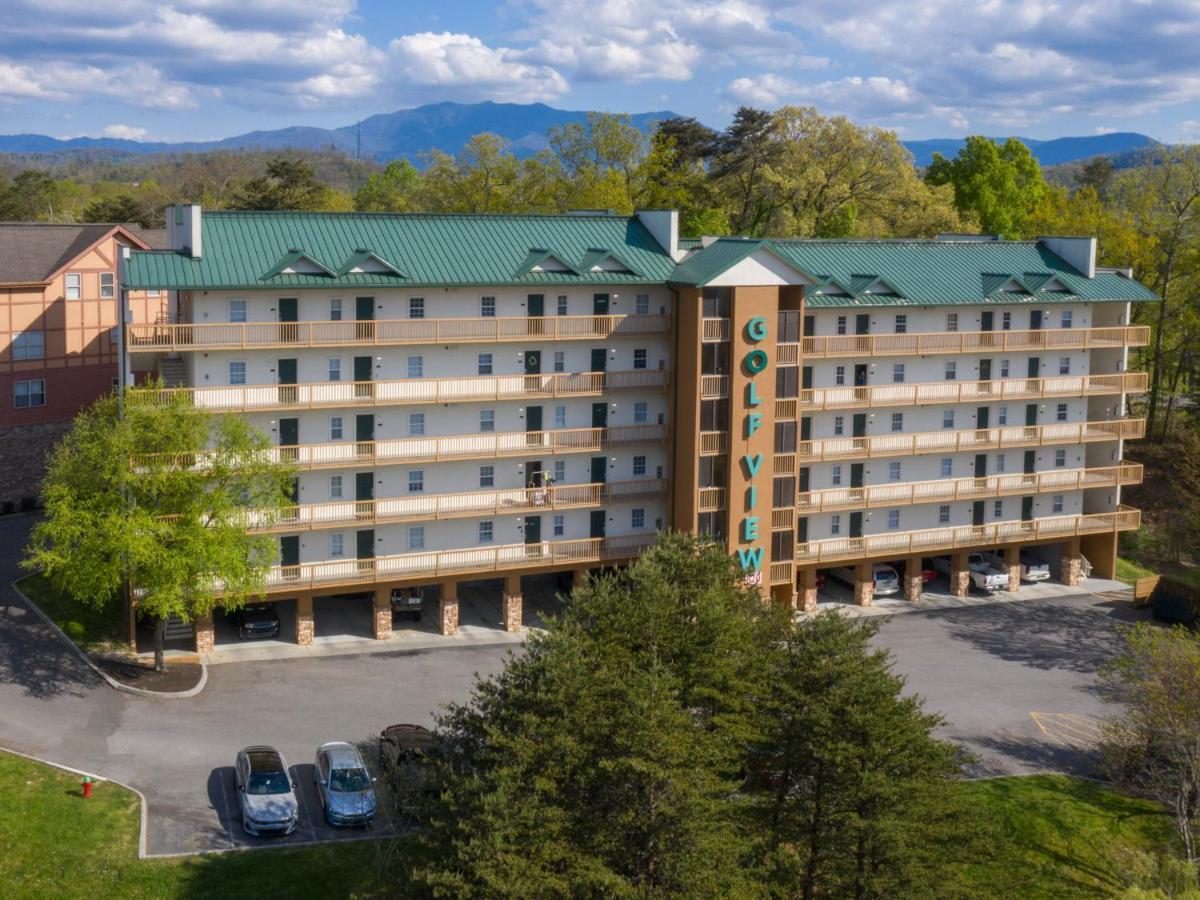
(122, 208)
(695, 142)
(599, 159)
(1096, 174)
(673, 176)
(1000, 184)
(480, 178)
(34, 196)
(391, 190)
(743, 157)
(122, 510)
(289, 184)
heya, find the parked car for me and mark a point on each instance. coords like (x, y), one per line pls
(886, 579)
(1032, 568)
(256, 620)
(928, 572)
(982, 573)
(405, 752)
(346, 788)
(266, 792)
(407, 602)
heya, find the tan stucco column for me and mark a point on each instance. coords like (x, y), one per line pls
(305, 628)
(864, 583)
(1012, 567)
(808, 589)
(784, 595)
(448, 608)
(514, 613)
(913, 583)
(205, 633)
(382, 619)
(960, 575)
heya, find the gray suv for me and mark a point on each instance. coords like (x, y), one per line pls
(266, 792)
(346, 789)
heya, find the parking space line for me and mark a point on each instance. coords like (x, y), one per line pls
(228, 814)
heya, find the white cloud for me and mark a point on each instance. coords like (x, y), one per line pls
(462, 63)
(1105, 129)
(138, 85)
(125, 132)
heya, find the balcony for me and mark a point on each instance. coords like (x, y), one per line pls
(386, 332)
(849, 345)
(714, 387)
(714, 330)
(896, 544)
(950, 489)
(404, 451)
(415, 568)
(955, 441)
(944, 392)
(409, 391)
(711, 499)
(782, 572)
(421, 508)
(714, 443)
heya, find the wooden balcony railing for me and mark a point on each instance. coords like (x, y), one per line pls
(714, 443)
(976, 439)
(405, 391)
(385, 332)
(420, 567)
(897, 544)
(714, 387)
(782, 572)
(963, 342)
(404, 451)
(711, 499)
(365, 513)
(714, 330)
(783, 518)
(950, 489)
(971, 391)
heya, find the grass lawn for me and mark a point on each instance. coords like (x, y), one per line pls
(1063, 837)
(56, 844)
(1129, 571)
(94, 630)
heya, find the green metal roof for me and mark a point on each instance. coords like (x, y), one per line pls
(242, 250)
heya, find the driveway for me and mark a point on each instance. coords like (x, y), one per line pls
(1015, 682)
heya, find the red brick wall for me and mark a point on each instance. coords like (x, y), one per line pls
(67, 392)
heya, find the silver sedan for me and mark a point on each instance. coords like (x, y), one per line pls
(346, 789)
(265, 791)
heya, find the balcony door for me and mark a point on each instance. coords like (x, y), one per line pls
(860, 425)
(289, 550)
(987, 320)
(977, 512)
(533, 362)
(364, 486)
(289, 314)
(1031, 411)
(535, 311)
(364, 544)
(362, 376)
(981, 465)
(599, 415)
(364, 427)
(364, 314)
(599, 304)
(599, 359)
(1035, 319)
(599, 469)
(289, 432)
(286, 375)
(533, 474)
(597, 523)
(1035, 367)
(1026, 509)
(533, 529)
(862, 323)
(856, 519)
(533, 418)
(982, 417)
(856, 475)
(985, 370)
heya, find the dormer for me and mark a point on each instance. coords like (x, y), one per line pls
(603, 260)
(368, 262)
(539, 260)
(298, 262)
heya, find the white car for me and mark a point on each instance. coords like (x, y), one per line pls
(1032, 568)
(983, 574)
(886, 579)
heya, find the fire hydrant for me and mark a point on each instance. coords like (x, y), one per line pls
(87, 786)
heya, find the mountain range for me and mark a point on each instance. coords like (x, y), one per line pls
(408, 133)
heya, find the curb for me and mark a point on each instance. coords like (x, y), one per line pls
(112, 682)
(92, 775)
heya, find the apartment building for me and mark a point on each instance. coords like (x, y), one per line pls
(472, 397)
(59, 344)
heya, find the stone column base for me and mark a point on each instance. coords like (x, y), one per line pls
(1072, 570)
(205, 633)
(305, 627)
(1012, 566)
(960, 575)
(382, 621)
(807, 599)
(448, 609)
(514, 614)
(864, 584)
(912, 582)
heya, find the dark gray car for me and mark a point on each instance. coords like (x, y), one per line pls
(266, 792)
(346, 789)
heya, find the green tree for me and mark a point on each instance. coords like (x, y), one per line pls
(481, 178)
(289, 184)
(999, 184)
(122, 510)
(121, 208)
(599, 158)
(391, 190)
(35, 196)
(743, 158)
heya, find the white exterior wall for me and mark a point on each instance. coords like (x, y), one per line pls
(934, 318)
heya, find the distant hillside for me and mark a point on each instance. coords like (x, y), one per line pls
(400, 135)
(1049, 153)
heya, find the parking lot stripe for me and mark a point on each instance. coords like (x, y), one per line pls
(226, 787)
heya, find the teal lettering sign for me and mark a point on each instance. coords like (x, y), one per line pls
(753, 363)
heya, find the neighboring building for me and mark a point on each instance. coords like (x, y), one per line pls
(474, 397)
(59, 344)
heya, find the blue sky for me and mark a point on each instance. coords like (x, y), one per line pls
(198, 69)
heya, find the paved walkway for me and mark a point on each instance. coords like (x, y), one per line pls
(943, 599)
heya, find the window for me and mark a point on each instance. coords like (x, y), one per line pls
(641, 412)
(335, 428)
(999, 463)
(416, 424)
(485, 364)
(237, 310)
(560, 526)
(1067, 318)
(562, 305)
(154, 293)
(1064, 365)
(335, 369)
(943, 515)
(897, 421)
(997, 509)
(1004, 368)
(487, 476)
(487, 420)
(947, 418)
(560, 361)
(901, 324)
(1006, 321)
(487, 307)
(416, 537)
(416, 307)
(337, 544)
(639, 465)
(839, 426)
(898, 373)
(951, 370)
(335, 309)
(335, 487)
(74, 285)
(835, 475)
(893, 519)
(1060, 412)
(560, 417)
(641, 305)
(894, 470)
(637, 518)
(416, 481)
(29, 345)
(952, 321)
(237, 371)
(29, 393)
(839, 375)
(835, 524)
(1056, 503)
(107, 291)
(1002, 415)
(1060, 459)
(639, 359)
(560, 471)
(485, 531)
(947, 467)
(416, 367)
(841, 324)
